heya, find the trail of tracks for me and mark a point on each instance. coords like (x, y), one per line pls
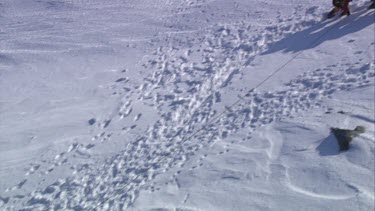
(183, 89)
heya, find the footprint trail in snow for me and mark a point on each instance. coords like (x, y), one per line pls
(184, 89)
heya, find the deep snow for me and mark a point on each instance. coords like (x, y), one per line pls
(145, 105)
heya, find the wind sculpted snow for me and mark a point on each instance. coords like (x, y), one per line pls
(162, 110)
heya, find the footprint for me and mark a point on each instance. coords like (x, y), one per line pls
(89, 146)
(122, 80)
(105, 124)
(33, 169)
(136, 118)
(3, 201)
(72, 147)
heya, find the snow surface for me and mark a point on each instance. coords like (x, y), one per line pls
(148, 105)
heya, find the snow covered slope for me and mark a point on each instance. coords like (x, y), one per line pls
(150, 105)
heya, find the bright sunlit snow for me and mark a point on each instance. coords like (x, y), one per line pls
(149, 105)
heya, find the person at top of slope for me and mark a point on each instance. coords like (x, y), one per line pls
(342, 5)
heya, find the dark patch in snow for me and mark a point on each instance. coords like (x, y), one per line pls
(92, 121)
(89, 146)
(106, 123)
(120, 79)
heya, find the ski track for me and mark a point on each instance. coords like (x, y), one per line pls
(188, 90)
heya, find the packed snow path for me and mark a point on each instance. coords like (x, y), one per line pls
(190, 79)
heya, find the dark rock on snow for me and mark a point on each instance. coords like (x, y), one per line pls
(344, 136)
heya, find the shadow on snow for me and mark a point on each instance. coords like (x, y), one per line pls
(314, 36)
(329, 146)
